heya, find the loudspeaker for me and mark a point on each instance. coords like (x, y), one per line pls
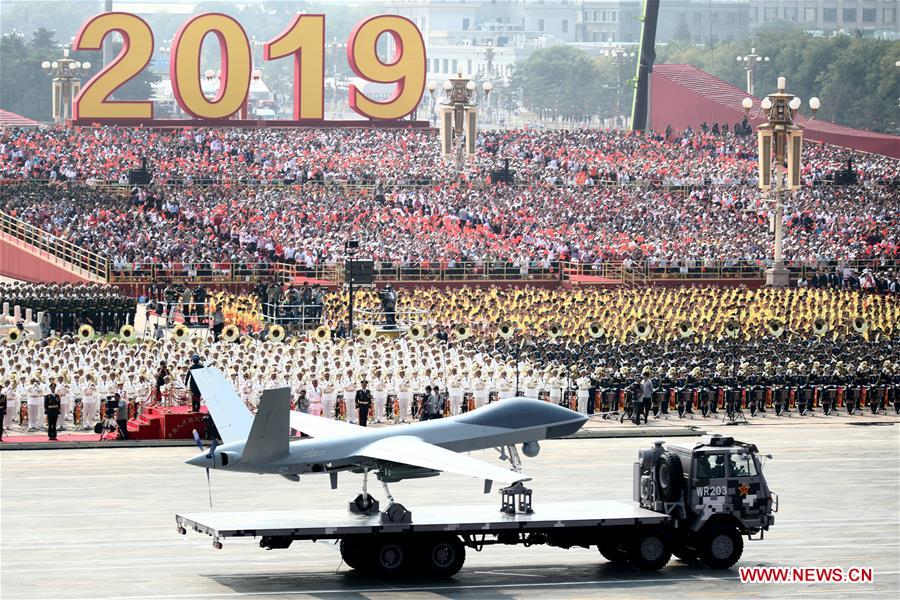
(138, 177)
(362, 271)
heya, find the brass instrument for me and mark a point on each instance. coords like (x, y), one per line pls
(179, 332)
(461, 332)
(126, 333)
(685, 329)
(367, 332)
(321, 334)
(820, 327)
(775, 327)
(555, 330)
(277, 333)
(506, 330)
(231, 333)
(641, 329)
(417, 332)
(732, 328)
(595, 329)
(85, 333)
(14, 336)
(860, 325)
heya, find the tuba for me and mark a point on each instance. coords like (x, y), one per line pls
(126, 333)
(775, 327)
(276, 333)
(231, 333)
(417, 332)
(85, 333)
(860, 325)
(554, 329)
(595, 329)
(732, 328)
(506, 330)
(321, 334)
(820, 327)
(179, 332)
(461, 332)
(367, 332)
(685, 329)
(14, 336)
(641, 329)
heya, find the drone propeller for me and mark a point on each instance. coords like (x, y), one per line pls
(210, 454)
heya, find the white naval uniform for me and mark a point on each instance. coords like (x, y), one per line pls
(481, 393)
(455, 393)
(35, 407)
(349, 390)
(555, 389)
(379, 393)
(329, 397)
(91, 404)
(11, 404)
(65, 401)
(584, 385)
(404, 398)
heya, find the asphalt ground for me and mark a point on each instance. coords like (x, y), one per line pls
(99, 523)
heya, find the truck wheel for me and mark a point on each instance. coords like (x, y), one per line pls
(353, 553)
(613, 553)
(443, 556)
(387, 558)
(649, 551)
(669, 476)
(721, 546)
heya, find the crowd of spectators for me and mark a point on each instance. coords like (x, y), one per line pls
(397, 157)
(236, 195)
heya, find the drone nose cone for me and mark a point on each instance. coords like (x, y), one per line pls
(198, 461)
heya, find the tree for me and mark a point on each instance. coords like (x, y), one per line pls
(682, 32)
(26, 89)
(854, 77)
(559, 82)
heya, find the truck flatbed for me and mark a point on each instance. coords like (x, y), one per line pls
(457, 519)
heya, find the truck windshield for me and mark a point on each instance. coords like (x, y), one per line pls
(711, 466)
(742, 465)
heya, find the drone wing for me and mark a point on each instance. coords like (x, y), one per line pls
(414, 452)
(317, 427)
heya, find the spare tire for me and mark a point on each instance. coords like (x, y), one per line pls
(669, 476)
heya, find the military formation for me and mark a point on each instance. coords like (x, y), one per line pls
(690, 377)
(68, 306)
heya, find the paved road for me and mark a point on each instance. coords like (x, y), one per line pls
(99, 523)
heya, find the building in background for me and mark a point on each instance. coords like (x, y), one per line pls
(877, 18)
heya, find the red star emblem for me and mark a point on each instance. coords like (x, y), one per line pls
(744, 489)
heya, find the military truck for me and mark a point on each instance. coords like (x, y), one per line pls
(694, 502)
(715, 492)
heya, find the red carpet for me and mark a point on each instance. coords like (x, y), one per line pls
(176, 423)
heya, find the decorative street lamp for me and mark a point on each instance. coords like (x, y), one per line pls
(750, 61)
(620, 57)
(65, 85)
(457, 117)
(779, 134)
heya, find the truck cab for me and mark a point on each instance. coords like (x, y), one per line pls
(716, 492)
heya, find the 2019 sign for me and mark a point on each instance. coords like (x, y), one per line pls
(303, 40)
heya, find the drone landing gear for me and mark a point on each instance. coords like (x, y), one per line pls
(364, 504)
(395, 512)
(510, 453)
